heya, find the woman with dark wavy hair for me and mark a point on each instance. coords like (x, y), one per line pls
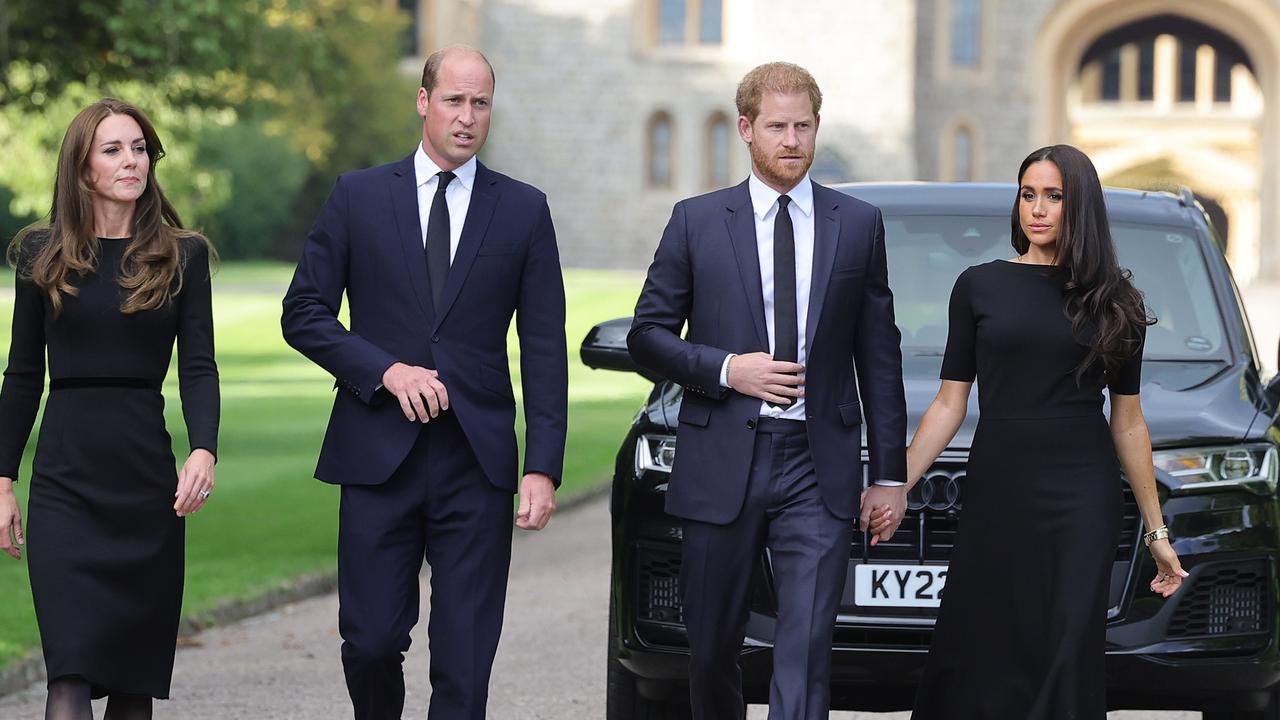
(1021, 631)
(105, 289)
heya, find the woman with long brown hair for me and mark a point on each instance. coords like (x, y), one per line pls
(106, 288)
(1021, 631)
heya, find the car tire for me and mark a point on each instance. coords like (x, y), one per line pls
(623, 701)
(1271, 713)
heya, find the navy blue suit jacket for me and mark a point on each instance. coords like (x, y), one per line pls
(706, 273)
(368, 243)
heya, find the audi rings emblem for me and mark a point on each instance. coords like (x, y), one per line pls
(939, 491)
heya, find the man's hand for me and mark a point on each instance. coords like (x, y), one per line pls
(11, 538)
(760, 376)
(537, 501)
(421, 394)
(883, 509)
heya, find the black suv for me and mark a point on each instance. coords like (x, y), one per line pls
(1214, 425)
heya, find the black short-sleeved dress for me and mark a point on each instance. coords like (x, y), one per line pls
(1021, 630)
(105, 548)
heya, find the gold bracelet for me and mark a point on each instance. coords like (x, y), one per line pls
(1160, 533)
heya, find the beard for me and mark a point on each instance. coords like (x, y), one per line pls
(775, 172)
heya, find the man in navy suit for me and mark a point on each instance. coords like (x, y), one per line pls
(435, 253)
(791, 343)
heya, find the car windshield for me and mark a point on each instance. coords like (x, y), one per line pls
(928, 252)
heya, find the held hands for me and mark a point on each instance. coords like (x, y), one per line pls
(537, 502)
(883, 510)
(421, 394)
(195, 483)
(760, 376)
(11, 538)
(1169, 572)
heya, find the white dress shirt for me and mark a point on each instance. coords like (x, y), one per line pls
(457, 195)
(764, 205)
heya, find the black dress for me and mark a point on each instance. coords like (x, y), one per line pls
(1021, 631)
(105, 548)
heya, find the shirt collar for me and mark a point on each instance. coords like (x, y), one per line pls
(424, 170)
(764, 198)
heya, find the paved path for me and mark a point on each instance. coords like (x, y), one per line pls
(550, 664)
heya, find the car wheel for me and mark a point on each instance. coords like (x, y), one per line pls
(623, 702)
(1271, 713)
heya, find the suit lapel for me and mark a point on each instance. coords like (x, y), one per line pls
(826, 236)
(741, 222)
(404, 203)
(484, 198)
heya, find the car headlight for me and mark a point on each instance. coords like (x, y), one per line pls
(655, 453)
(1250, 467)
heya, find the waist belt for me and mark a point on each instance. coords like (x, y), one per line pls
(73, 383)
(784, 426)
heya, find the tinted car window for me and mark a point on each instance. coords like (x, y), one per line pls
(928, 252)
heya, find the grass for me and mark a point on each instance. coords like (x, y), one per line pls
(270, 520)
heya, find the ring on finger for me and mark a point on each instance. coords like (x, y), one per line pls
(204, 494)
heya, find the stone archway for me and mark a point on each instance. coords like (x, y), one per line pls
(1074, 25)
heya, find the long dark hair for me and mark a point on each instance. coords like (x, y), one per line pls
(68, 245)
(1104, 307)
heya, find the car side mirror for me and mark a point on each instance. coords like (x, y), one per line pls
(605, 348)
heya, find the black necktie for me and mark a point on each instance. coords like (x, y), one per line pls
(786, 343)
(438, 238)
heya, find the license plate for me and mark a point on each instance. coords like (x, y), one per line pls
(899, 585)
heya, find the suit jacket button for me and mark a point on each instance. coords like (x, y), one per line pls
(435, 338)
(751, 424)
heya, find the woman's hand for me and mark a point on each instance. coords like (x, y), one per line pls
(1169, 572)
(11, 538)
(195, 482)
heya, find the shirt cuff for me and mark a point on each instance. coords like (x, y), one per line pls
(724, 370)
(889, 483)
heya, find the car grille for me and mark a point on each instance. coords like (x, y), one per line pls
(928, 532)
(1224, 599)
(658, 584)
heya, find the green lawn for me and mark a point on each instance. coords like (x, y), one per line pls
(270, 520)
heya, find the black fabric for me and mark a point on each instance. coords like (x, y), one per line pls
(438, 238)
(786, 344)
(68, 699)
(92, 338)
(128, 707)
(105, 549)
(1022, 627)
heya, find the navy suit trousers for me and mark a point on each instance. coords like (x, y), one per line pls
(437, 506)
(809, 551)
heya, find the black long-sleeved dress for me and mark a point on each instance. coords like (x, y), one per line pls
(105, 548)
(1022, 628)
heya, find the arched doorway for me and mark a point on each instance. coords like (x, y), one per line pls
(1160, 92)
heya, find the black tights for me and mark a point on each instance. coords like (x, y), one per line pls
(69, 699)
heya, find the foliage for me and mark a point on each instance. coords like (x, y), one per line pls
(260, 103)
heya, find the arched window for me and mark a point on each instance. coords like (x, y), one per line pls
(719, 140)
(966, 32)
(660, 148)
(962, 155)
